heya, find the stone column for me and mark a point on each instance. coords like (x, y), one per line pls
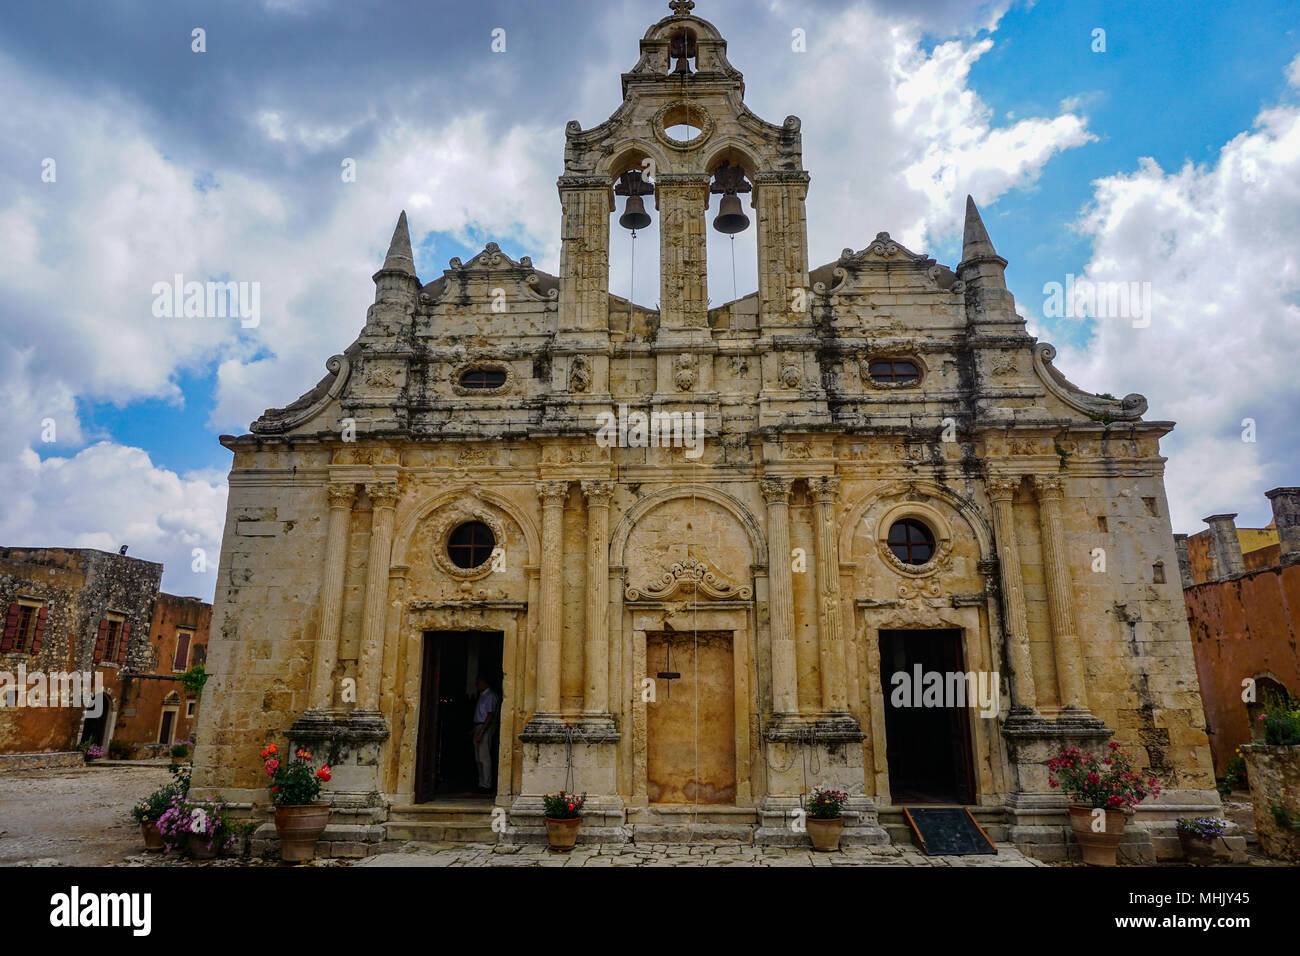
(830, 636)
(341, 498)
(383, 500)
(1060, 594)
(584, 253)
(782, 246)
(683, 203)
(1286, 516)
(785, 694)
(1225, 547)
(1184, 561)
(551, 618)
(596, 650)
(1001, 491)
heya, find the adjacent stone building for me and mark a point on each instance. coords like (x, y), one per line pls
(1242, 589)
(89, 649)
(503, 476)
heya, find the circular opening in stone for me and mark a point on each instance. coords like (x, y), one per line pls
(911, 541)
(470, 545)
(683, 123)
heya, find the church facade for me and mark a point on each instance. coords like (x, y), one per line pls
(709, 556)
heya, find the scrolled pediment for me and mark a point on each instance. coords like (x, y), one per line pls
(694, 577)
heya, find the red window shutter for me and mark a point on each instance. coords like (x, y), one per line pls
(182, 652)
(39, 636)
(101, 640)
(122, 642)
(11, 629)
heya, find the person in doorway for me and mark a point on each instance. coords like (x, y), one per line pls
(486, 708)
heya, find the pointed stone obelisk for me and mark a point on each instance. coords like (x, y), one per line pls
(977, 250)
(396, 278)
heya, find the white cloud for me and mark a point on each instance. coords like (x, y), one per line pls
(108, 495)
(1218, 244)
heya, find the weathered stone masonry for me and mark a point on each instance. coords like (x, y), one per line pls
(335, 564)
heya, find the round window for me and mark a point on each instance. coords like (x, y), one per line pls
(911, 541)
(470, 545)
(894, 371)
(483, 378)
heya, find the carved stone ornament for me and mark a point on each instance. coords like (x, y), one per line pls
(692, 576)
(580, 374)
(791, 376)
(684, 376)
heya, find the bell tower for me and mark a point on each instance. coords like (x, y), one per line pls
(683, 82)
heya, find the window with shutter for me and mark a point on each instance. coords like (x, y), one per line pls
(101, 640)
(11, 629)
(182, 659)
(39, 637)
(121, 647)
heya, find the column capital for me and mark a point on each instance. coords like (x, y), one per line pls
(342, 494)
(597, 491)
(682, 181)
(383, 494)
(776, 490)
(1049, 486)
(824, 489)
(566, 183)
(777, 177)
(1002, 487)
(553, 491)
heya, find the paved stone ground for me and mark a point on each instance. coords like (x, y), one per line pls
(80, 816)
(676, 854)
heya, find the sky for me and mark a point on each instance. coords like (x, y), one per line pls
(1153, 142)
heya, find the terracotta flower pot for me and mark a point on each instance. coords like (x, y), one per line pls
(299, 828)
(1200, 850)
(199, 848)
(1098, 847)
(153, 841)
(563, 834)
(825, 832)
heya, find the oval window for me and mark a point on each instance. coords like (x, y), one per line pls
(483, 378)
(894, 371)
(911, 541)
(470, 545)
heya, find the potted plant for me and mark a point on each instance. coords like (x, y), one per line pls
(202, 827)
(180, 750)
(825, 819)
(300, 815)
(1273, 768)
(91, 751)
(563, 818)
(150, 810)
(1101, 791)
(1199, 837)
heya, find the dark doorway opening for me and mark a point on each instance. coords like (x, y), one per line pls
(445, 765)
(928, 747)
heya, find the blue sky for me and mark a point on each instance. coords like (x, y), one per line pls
(1173, 157)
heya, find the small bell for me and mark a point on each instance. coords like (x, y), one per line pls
(634, 215)
(682, 66)
(731, 218)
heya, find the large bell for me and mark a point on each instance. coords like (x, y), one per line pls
(731, 218)
(682, 66)
(634, 215)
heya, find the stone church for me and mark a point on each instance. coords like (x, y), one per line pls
(696, 549)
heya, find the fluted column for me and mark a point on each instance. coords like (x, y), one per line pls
(830, 636)
(785, 694)
(553, 494)
(1060, 594)
(341, 498)
(383, 501)
(596, 650)
(1001, 491)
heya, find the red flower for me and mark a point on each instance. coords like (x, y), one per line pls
(324, 772)
(273, 789)
(570, 806)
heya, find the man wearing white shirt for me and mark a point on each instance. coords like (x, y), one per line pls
(486, 707)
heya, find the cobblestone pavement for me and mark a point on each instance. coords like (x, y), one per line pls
(676, 854)
(79, 816)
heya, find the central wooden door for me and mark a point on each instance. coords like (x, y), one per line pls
(691, 723)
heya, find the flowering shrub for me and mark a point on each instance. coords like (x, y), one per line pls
(205, 819)
(294, 783)
(562, 805)
(92, 751)
(1108, 782)
(825, 804)
(1234, 774)
(157, 803)
(1204, 828)
(1281, 720)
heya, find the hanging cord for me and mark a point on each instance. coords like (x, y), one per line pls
(735, 295)
(568, 760)
(631, 292)
(812, 761)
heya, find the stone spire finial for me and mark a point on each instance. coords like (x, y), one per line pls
(399, 258)
(975, 242)
(681, 8)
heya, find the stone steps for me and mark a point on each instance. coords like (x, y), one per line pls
(991, 819)
(442, 822)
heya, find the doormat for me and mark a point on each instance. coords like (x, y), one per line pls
(948, 831)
